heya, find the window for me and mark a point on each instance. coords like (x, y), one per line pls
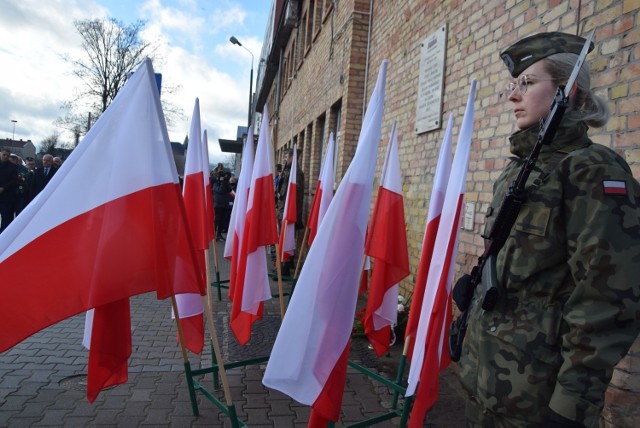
(328, 5)
(334, 126)
(302, 38)
(317, 16)
(309, 37)
(320, 124)
(293, 62)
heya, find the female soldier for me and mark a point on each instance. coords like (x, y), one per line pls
(569, 273)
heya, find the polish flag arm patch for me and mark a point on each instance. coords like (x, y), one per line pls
(614, 187)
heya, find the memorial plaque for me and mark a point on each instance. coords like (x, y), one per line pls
(430, 81)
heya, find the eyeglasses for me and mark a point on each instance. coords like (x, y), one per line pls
(522, 82)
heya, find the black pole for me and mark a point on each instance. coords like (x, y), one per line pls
(250, 92)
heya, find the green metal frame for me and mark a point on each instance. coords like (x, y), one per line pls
(196, 386)
(220, 284)
(398, 390)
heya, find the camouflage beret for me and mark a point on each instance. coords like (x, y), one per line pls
(519, 56)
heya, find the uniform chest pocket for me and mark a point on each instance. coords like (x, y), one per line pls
(533, 219)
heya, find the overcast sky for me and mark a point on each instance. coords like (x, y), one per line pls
(194, 42)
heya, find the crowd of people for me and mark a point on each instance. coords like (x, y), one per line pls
(21, 181)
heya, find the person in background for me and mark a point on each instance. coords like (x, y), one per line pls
(43, 175)
(276, 179)
(30, 163)
(217, 170)
(57, 162)
(221, 197)
(569, 303)
(8, 184)
(21, 191)
(29, 179)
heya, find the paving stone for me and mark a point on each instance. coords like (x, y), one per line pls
(280, 408)
(53, 417)
(157, 416)
(142, 395)
(77, 422)
(23, 421)
(107, 416)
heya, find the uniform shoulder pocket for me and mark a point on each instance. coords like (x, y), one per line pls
(533, 219)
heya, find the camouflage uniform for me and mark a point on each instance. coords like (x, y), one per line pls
(570, 280)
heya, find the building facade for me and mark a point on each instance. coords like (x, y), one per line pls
(319, 66)
(21, 148)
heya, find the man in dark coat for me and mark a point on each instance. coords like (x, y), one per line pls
(8, 182)
(43, 175)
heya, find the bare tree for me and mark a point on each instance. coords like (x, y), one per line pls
(113, 51)
(49, 144)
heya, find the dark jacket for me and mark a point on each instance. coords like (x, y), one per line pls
(40, 180)
(221, 193)
(8, 180)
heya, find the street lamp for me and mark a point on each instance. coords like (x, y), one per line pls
(14, 129)
(236, 42)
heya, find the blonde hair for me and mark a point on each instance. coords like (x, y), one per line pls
(591, 108)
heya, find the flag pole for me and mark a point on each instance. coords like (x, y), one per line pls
(304, 240)
(216, 350)
(280, 289)
(206, 300)
(284, 237)
(185, 358)
(174, 304)
(363, 270)
(215, 255)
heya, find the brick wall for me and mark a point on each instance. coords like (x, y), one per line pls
(340, 67)
(477, 31)
(331, 71)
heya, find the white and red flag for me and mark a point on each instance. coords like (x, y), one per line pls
(324, 192)
(111, 224)
(239, 212)
(208, 194)
(194, 192)
(440, 181)
(435, 315)
(386, 244)
(287, 241)
(308, 361)
(251, 287)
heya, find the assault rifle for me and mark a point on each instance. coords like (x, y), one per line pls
(484, 272)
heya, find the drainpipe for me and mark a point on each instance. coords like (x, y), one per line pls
(366, 65)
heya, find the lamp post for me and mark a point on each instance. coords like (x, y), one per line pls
(235, 41)
(14, 129)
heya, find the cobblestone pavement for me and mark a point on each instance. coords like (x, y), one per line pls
(43, 379)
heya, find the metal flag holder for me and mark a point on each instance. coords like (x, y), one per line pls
(218, 371)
